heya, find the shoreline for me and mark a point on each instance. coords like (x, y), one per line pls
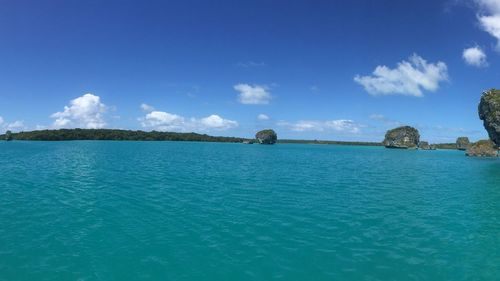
(138, 135)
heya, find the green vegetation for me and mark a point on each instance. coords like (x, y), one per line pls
(462, 143)
(110, 134)
(489, 112)
(331, 142)
(128, 135)
(266, 136)
(446, 146)
(482, 148)
(402, 137)
(492, 95)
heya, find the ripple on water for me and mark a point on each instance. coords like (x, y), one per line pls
(208, 211)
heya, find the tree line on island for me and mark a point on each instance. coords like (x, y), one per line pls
(263, 137)
(404, 137)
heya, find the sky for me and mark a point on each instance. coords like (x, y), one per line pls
(329, 70)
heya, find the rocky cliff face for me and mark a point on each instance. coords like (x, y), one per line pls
(489, 112)
(8, 136)
(402, 137)
(424, 145)
(482, 148)
(266, 137)
(462, 143)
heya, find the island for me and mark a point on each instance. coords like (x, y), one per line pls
(266, 136)
(462, 143)
(112, 134)
(131, 135)
(489, 112)
(482, 148)
(404, 137)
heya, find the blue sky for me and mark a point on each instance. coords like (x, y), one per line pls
(341, 70)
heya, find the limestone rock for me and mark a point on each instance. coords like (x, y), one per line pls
(482, 148)
(8, 136)
(266, 137)
(489, 112)
(462, 143)
(402, 137)
(424, 145)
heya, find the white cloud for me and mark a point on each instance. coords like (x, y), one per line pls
(341, 125)
(408, 78)
(262, 117)
(475, 56)
(147, 107)
(164, 121)
(489, 17)
(85, 112)
(15, 125)
(251, 64)
(216, 122)
(384, 120)
(378, 117)
(255, 94)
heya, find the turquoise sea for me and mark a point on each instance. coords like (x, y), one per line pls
(103, 210)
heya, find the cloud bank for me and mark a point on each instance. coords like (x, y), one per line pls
(409, 78)
(13, 126)
(83, 112)
(164, 121)
(489, 18)
(341, 125)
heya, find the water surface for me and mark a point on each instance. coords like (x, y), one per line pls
(92, 210)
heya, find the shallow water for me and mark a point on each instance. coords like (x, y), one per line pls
(91, 210)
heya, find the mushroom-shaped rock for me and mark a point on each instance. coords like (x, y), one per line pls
(402, 137)
(482, 148)
(489, 112)
(462, 143)
(266, 137)
(424, 145)
(8, 136)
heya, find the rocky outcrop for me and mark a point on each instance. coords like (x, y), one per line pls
(402, 137)
(489, 112)
(424, 145)
(266, 137)
(8, 136)
(462, 143)
(482, 148)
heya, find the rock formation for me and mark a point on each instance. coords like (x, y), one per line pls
(8, 136)
(489, 112)
(402, 137)
(424, 145)
(482, 148)
(462, 143)
(266, 137)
